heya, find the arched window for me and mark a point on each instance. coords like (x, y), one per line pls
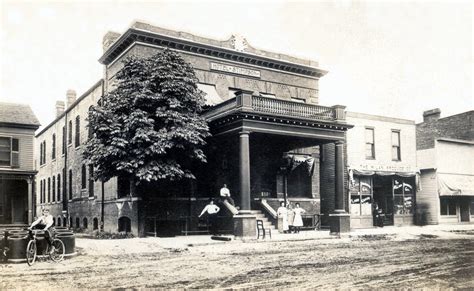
(54, 221)
(54, 189)
(83, 177)
(53, 147)
(95, 223)
(69, 134)
(59, 220)
(70, 184)
(77, 140)
(59, 187)
(124, 224)
(78, 222)
(84, 223)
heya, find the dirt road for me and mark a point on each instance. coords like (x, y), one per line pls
(362, 262)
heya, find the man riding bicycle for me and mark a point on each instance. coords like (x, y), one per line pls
(44, 222)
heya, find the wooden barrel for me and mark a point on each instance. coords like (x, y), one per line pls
(69, 241)
(17, 248)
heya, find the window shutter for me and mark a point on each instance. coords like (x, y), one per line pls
(15, 152)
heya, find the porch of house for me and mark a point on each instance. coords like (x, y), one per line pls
(16, 199)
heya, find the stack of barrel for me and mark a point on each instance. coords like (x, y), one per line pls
(13, 243)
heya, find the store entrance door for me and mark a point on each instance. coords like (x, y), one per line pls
(383, 196)
(464, 209)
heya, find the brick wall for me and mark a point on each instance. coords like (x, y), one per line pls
(459, 126)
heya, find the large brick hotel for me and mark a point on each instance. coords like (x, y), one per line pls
(271, 141)
(264, 116)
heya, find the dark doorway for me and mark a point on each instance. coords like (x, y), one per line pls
(124, 224)
(383, 196)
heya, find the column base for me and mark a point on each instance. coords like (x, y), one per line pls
(339, 223)
(245, 225)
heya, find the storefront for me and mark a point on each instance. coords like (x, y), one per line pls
(393, 192)
(456, 197)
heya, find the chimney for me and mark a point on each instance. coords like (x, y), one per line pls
(59, 108)
(71, 97)
(431, 115)
(109, 39)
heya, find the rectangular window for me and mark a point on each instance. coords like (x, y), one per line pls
(59, 187)
(54, 189)
(70, 184)
(91, 181)
(447, 206)
(53, 147)
(9, 151)
(123, 185)
(69, 134)
(44, 152)
(83, 177)
(369, 143)
(64, 140)
(77, 137)
(49, 190)
(396, 145)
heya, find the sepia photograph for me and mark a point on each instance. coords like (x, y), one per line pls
(237, 145)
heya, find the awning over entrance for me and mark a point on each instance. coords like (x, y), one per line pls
(293, 161)
(455, 185)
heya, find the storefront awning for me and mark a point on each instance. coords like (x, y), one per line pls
(381, 173)
(455, 185)
(296, 160)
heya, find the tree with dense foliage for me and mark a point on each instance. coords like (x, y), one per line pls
(149, 127)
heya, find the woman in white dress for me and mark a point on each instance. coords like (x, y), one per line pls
(298, 222)
(282, 214)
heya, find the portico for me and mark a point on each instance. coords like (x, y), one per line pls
(272, 128)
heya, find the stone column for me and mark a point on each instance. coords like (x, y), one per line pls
(30, 200)
(244, 167)
(244, 222)
(339, 220)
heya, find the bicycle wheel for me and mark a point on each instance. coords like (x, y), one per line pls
(57, 253)
(31, 252)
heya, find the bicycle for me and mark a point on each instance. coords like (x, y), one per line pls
(56, 254)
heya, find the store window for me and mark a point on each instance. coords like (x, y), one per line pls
(369, 143)
(361, 196)
(403, 195)
(447, 206)
(396, 155)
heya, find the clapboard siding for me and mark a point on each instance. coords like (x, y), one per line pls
(427, 199)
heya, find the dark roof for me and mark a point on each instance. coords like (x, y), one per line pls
(19, 114)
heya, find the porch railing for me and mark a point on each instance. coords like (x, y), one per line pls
(272, 106)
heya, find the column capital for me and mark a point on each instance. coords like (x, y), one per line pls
(244, 132)
(339, 143)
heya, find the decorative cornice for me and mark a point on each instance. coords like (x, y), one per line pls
(185, 45)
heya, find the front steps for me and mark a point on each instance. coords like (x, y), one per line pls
(261, 216)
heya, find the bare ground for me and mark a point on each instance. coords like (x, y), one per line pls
(368, 261)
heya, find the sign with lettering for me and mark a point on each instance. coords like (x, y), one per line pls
(235, 70)
(388, 168)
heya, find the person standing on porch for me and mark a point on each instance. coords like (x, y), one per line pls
(298, 222)
(282, 214)
(225, 195)
(291, 217)
(211, 209)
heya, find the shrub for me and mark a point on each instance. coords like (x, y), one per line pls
(111, 235)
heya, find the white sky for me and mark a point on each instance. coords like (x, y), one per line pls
(394, 58)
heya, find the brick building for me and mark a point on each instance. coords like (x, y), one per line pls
(445, 153)
(272, 141)
(382, 168)
(17, 172)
